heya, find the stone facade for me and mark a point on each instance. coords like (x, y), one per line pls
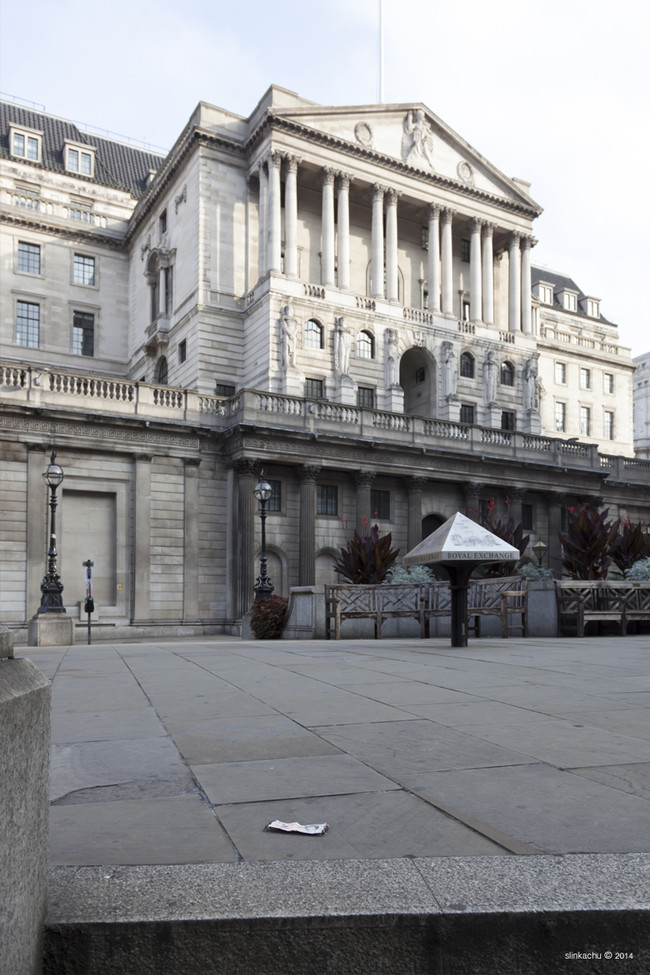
(343, 297)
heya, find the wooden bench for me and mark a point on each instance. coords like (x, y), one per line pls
(506, 598)
(582, 601)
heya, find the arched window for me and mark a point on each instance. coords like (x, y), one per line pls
(162, 371)
(313, 335)
(365, 346)
(507, 374)
(467, 365)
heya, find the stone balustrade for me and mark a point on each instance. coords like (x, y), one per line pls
(40, 388)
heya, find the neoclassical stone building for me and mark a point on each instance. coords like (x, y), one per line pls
(342, 296)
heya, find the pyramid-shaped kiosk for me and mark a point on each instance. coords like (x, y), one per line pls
(459, 546)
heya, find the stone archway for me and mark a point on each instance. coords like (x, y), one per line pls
(418, 379)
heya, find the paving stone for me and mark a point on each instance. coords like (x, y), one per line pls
(78, 726)
(241, 739)
(633, 779)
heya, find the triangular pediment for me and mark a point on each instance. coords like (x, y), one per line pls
(416, 138)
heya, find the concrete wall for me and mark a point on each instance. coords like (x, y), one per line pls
(24, 776)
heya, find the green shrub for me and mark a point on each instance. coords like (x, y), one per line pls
(268, 616)
(639, 571)
(534, 572)
(401, 574)
(631, 544)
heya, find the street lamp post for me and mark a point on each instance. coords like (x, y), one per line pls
(51, 586)
(263, 588)
(539, 548)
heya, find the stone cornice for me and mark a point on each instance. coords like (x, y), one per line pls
(38, 224)
(272, 121)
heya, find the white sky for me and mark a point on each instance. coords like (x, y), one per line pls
(554, 92)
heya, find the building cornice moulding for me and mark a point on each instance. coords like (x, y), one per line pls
(88, 237)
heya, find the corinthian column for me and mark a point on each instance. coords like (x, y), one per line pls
(364, 481)
(447, 264)
(514, 281)
(475, 274)
(488, 274)
(391, 247)
(434, 258)
(327, 273)
(264, 192)
(344, 230)
(247, 472)
(307, 545)
(275, 214)
(526, 286)
(291, 219)
(377, 266)
(415, 489)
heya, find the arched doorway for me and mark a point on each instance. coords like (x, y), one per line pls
(417, 377)
(430, 523)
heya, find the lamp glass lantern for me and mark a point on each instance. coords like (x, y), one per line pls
(51, 586)
(263, 587)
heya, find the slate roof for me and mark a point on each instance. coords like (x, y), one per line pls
(561, 282)
(116, 164)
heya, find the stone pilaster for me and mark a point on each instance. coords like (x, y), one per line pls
(262, 220)
(473, 500)
(414, 530)
(142, 532)
(433, 261)
(247, 471)
(307, 549)
(191, 527)
(37, 525)
(516, 497)
(526, 287)
(364, 481)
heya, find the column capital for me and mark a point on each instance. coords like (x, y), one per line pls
(309, 473)
(488, 228)
(393, 195)
(275, 158)
(448, 215)
(526, 242)
(515, 238)
(378, 191)
(364, 478)
(328, 174)
(517, 493)
(292, 163)
(247, 467)
(416, 485)
(472, 488)
(344, 180)
(434, 211)
(476, 225)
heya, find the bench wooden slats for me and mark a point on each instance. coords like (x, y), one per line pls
(505, 597)
(581, 601)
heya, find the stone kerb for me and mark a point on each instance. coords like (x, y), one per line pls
(24, 778)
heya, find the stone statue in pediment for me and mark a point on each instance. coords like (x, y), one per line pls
(417, 139)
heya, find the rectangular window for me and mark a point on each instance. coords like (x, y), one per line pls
(162, 222)
(560, 373)
(585, 421)
(275, 501)
(560, 417)
(27, 146)
(608, 425)
(466, 413)
(608, 382)
(527, 517)
(464, 251)
(83, 270)
(546, 294)
(313, 388)
(380, 504)
(83, 333)
(366, 398)
(420, 375)
(28, 319)
(585, 378)
(224, 389)
(29, 258)
(182, 351)
(78, 161)
(327, 499)
(507, 420)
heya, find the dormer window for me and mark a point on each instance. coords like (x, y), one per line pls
(545, 293)
(79, 159)
(593, 307)
(569, 300)
(26, 144)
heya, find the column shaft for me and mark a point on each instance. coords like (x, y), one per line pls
(307, 547)
(473, 500)
(364, 481)
(327, 261)
(343, 229)
(514, 281)
(246, 508)
(141, 600)
(391, 247)
(414, 530)
(275, 214)
(263, 202)
(447, 264)
(191, 537)
(434, 258)
(488, 274)
(475, 273)
(526, 288)
(377, 265)
(291, 219)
